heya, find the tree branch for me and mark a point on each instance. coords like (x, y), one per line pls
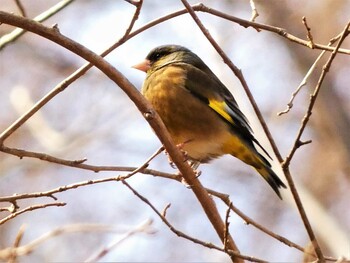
(15, 34)
(30, 208)
(313, 97)
(226, 250)
(144, 107)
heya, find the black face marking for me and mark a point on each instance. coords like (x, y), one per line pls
(157, 54)
(162, 51)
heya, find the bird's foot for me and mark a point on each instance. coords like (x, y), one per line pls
(183, 180)
(184, 154)
(194, 165)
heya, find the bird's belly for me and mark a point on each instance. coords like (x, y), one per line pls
(189, 120)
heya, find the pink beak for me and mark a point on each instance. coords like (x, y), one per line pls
(143, 66)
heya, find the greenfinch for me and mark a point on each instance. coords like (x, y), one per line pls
(198, 110)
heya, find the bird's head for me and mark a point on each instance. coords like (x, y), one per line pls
(165, 55)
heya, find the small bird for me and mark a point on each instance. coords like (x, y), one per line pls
(200, 113)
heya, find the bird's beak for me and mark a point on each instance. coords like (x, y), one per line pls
(143, 66)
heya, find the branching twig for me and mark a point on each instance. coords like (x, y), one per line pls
(64, 188)
(226, 199)
(65, 83)
(144, 227)
(81, 163)
(239, 74)
(309, 35)
(255, 13)
(144, 107)
(128, 35)
(133, 2)
(9, 38)
(285, 164)
(308, 74)
(20, 8)
(30, 208)
(13, 257)
(277, 30)
(302, 84)
(146, 163)
(313, 97)
(31, 246)
(227, 227)
(249, 221)
(183, 235)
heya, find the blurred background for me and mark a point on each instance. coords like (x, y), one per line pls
(93, 118)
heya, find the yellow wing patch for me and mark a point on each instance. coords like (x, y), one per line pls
(219, 107)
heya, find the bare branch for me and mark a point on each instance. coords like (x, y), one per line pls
(227, 227)
(144, 227)
(308, 74)
(30, 208)
(65, 83)
(226, 199)
(257, 111)
(302, 84)
(255, 13)
(20, 8)
(285, 164)
(31, 246)
(151, 116)
(313, 97)
(13, 257)
(309, 35)
(52, 192)
(128, 35)
(9, 38)
(133, 2)
(183, 235)
(82, 165)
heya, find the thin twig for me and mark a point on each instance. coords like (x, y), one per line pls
(313, 97)
(144, 227)
(69, 80)
(255, 13)
(133, 2)
(302, 84)
(21, 8)
(245, 23)
(226, 199)
(145, 164)
(227, 227)
(128, 35)
(15, 34)
(239, 74)
(277, 30)
(183, 235)
(52, 192)
(286, 163)
(308, 74)
(31, 246)
(81, 163)
(30, 208)
(13, 257)
(309, 35)
(249, 221)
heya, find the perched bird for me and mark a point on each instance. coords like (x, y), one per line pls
(198, 110)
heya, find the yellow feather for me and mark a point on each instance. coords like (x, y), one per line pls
(219, 107)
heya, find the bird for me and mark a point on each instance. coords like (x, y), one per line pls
(199, 112)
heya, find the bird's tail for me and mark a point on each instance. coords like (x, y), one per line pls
(269, 175)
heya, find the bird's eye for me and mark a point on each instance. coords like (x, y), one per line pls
(157, 54)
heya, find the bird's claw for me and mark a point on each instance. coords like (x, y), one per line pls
(184, 154)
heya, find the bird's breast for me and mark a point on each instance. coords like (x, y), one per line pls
(188, 119)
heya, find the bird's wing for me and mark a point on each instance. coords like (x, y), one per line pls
(204, 85)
